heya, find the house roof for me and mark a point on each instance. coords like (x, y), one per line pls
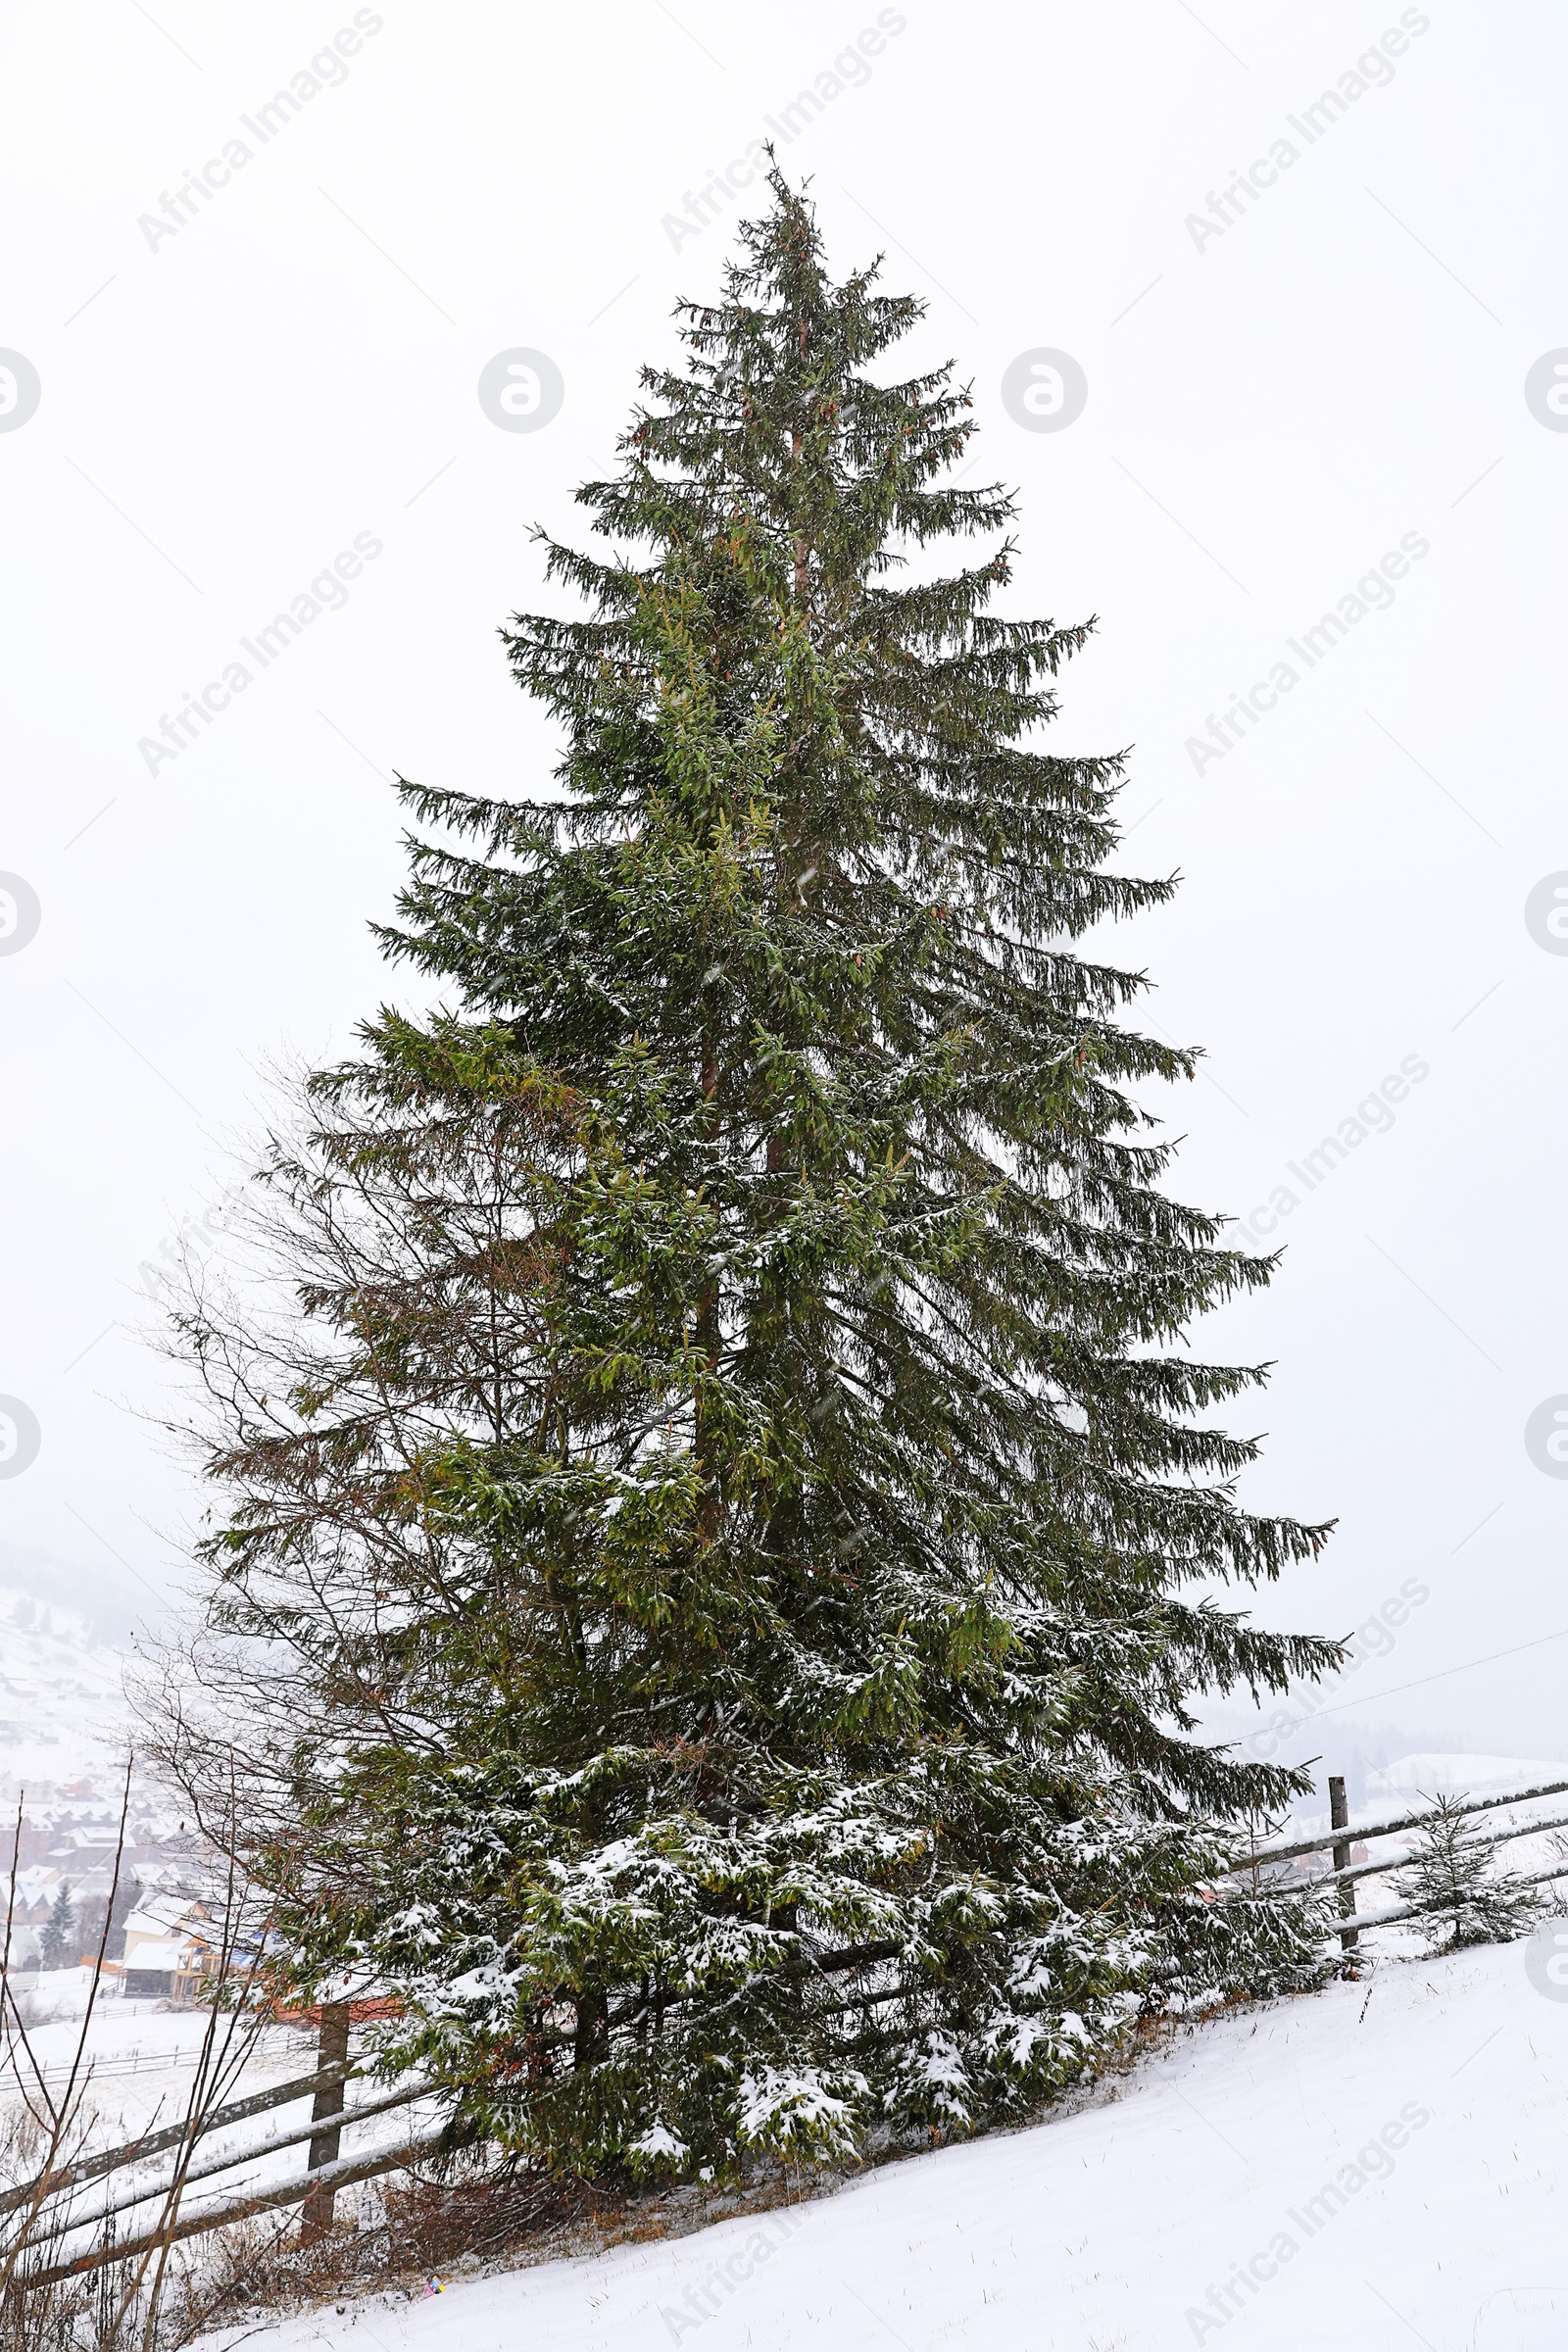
(168, 1914)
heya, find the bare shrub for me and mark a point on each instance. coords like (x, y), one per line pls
(400, 2235)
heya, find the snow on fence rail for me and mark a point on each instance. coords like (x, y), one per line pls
(1384, 1919)
(1337, 1842)
(1342, 1831)
(249, 2154)
(326, 2172)
(325, 2180)
(128, 2062)
(173, 2136)
(1376, 1870)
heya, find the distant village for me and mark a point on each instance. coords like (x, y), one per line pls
(62, 1728)
(157, 1916)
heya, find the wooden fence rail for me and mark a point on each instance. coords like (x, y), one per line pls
(1342, 1873)
(250, 2154)
(1386, 1829)
(267, 2200)
(173, 2136)
(1380, 1869)
(1439, 1902)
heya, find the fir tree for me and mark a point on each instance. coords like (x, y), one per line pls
(723, 1557)
(59, 1929)
(1452, 1875)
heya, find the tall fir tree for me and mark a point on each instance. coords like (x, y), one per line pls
(734, 1506)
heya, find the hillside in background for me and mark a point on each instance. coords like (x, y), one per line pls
(63, 1715)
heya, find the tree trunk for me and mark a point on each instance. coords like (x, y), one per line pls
(708, 1334)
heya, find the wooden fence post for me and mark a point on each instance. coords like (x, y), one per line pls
(1339, 1819)
(332, 2049)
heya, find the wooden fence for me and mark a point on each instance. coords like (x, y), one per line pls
(58, 2220)
(1337, 1840)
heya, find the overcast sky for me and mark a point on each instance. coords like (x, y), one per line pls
(1306, 273)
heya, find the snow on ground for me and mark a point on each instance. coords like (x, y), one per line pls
(1373, 2166)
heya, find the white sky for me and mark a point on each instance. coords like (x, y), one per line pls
(1270, 411)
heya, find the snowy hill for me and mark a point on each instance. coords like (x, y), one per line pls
(1377, 2165)
(63, 1713)
(1443, 1775)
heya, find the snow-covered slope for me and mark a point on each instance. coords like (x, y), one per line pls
(1478, 1776)
(63, 1714)
(1375, 2166)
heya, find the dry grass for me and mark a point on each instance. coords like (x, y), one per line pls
(398, 2238)
(403, 2237)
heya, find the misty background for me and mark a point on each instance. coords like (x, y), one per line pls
(1327, 366)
